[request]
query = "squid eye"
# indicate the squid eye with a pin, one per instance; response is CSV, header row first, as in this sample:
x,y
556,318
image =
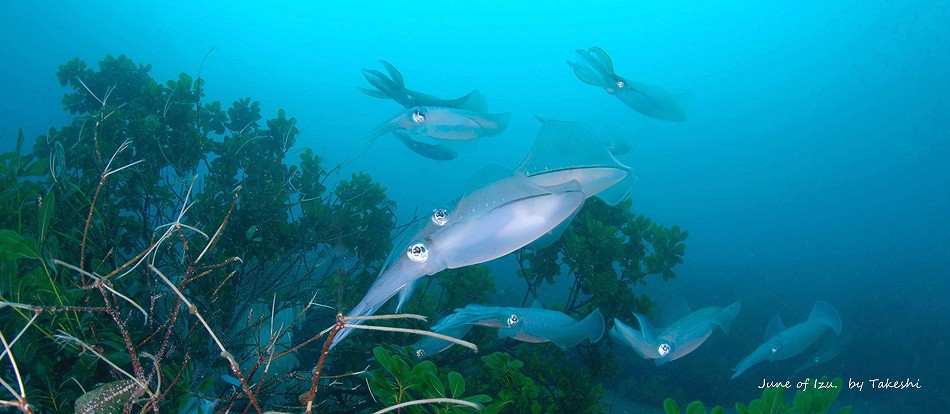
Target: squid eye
x,y
418,116
620,83
440,216
512,320
775,348
421,353
663,349
418,252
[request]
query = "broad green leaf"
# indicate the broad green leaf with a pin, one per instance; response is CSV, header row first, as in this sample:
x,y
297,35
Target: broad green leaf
x,y
670,406
696,407
417,378
9,237
26,248
479,399
802,402
382,356
456,384
400,370
37,168
434,385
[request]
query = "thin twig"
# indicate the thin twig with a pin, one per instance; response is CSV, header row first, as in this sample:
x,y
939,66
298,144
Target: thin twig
x,y
390,316
431,401
6,349
214,238
102,180
417,332
21,396
100,282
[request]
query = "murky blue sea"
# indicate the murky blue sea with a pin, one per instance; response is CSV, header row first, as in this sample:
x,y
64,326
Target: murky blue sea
x,y
814,163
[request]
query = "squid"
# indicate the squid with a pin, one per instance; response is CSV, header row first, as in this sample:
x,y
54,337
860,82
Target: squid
x,y
782,343
678,339
532,325
488,222
394,87
596,68
444,123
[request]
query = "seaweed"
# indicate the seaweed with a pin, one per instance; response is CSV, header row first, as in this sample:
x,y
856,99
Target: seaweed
x,y
404,380
812,400
607,251
171,250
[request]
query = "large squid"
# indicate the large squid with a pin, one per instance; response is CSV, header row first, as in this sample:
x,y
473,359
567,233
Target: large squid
x,y
678,339
486,223
596,68
781,342
393,87
565,151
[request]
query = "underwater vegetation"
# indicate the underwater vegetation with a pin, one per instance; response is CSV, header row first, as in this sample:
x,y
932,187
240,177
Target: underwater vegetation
x,y
164,253
813,400
113,247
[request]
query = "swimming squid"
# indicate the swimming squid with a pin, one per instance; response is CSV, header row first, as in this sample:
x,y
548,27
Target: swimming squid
x,y
596,68
444,123
488,222
533,325
454,325
565,151
393,87
781,342
678,339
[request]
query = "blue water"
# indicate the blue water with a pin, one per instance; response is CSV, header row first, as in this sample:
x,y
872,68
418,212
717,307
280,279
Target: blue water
x,y
814,164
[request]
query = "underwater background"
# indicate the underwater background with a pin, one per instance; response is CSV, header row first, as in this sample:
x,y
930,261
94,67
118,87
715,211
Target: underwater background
x,y
814,164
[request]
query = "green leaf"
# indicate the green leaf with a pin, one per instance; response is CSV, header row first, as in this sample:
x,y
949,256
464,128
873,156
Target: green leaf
x,y
382,356
844,410
718,410
24,248
37,168
696,407
773,401
670,406
456,384
434,385
479,399
802,402
400,370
